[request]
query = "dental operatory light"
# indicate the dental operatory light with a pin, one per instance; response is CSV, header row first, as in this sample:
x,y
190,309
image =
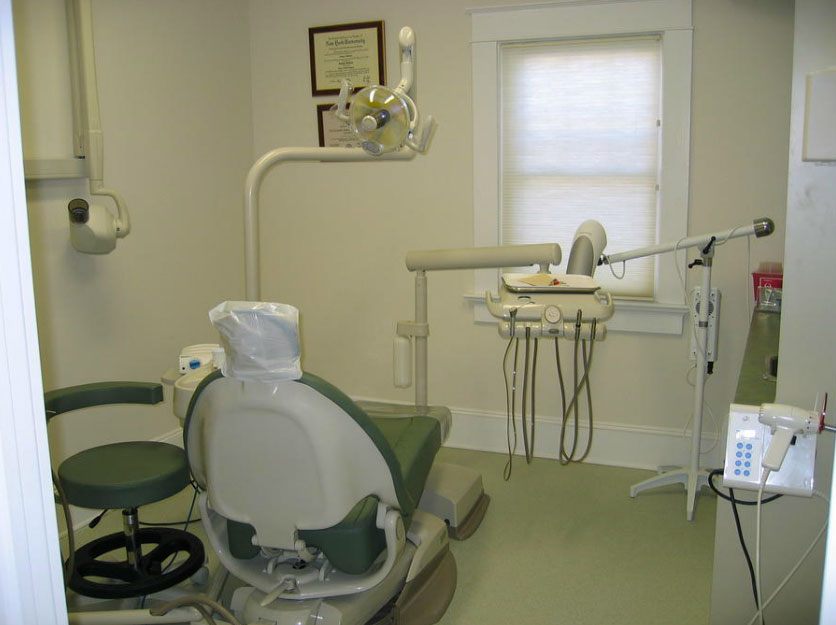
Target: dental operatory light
x,y
387,119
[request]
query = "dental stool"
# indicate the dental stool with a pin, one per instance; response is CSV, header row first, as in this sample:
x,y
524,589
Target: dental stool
x,y
125,475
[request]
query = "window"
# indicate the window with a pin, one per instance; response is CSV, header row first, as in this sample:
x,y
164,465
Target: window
x,y
582,110
580,135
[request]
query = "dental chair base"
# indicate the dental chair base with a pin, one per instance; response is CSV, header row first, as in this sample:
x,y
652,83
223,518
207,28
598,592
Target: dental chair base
x,y
421,601
453,493
425,562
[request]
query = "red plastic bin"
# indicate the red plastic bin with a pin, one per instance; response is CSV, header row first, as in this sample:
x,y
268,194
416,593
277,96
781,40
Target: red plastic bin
x,y
775,280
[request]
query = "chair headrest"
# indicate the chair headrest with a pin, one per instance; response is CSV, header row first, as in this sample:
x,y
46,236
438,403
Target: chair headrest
x,y
261,340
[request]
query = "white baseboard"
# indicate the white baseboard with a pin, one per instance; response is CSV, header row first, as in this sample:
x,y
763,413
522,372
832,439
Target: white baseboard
x,y
613,444
630,446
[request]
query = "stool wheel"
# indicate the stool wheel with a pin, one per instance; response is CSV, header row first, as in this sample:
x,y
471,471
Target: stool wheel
x,y
121,579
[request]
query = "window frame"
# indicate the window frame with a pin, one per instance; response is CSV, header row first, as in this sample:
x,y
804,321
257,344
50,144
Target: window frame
x,y
671,21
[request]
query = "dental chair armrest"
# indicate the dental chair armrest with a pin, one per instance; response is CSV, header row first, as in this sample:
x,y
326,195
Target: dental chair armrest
x,y
70,398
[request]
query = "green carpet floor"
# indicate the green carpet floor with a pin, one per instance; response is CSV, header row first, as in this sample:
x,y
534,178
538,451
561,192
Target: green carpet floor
x,y
567,544
562,545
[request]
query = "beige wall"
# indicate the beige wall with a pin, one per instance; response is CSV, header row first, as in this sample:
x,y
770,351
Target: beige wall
x,y
334,236
175,101
192,92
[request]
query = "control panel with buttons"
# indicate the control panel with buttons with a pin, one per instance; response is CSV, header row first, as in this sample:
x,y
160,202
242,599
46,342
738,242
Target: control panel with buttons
x,y
746,443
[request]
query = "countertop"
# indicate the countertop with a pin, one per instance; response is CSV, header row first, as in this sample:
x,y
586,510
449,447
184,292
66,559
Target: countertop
x,y
764,332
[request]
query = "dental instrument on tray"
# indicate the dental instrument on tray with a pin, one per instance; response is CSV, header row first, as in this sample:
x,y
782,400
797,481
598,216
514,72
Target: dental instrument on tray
x,y
388,124
691,476
529,307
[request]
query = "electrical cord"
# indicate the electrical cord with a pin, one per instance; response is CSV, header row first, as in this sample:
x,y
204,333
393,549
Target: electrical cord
x,y
525,394
734,501
741,502
573,407
798,564
168,523
529,377
711,414
623,270
529,449
186,524
569,457
588,362
765,477
752,579
510,396
760,604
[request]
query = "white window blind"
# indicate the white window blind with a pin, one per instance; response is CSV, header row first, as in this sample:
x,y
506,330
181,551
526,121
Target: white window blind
x,y
580,140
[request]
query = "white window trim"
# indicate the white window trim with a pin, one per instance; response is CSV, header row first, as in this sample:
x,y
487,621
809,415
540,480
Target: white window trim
x,y
491,27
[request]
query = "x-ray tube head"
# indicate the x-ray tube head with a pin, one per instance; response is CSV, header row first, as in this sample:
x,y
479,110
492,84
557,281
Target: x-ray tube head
x,y
590,241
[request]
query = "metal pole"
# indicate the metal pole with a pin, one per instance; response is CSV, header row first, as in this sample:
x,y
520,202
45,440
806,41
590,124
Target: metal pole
x,y
252,185
421,359
693,485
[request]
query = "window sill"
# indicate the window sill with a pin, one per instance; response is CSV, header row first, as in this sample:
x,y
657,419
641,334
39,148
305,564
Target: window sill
x,y
630,315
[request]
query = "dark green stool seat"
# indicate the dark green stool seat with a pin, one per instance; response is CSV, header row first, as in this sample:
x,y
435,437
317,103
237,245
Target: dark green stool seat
x,y
125,475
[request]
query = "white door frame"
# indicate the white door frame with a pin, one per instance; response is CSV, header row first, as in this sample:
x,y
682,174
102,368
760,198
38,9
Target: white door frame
x,y
31,586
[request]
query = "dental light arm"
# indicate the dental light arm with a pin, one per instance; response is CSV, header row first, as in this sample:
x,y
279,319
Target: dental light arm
x,y
406,41
252,186
377,145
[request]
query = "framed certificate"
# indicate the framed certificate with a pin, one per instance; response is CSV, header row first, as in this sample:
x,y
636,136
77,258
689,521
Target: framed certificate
x,y
353,51
334,132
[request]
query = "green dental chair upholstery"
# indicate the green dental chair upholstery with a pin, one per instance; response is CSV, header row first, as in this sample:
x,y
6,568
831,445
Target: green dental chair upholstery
x,y
125,475
274,458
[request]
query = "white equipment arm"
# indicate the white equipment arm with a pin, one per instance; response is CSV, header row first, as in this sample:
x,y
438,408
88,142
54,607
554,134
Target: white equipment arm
x,y
760,228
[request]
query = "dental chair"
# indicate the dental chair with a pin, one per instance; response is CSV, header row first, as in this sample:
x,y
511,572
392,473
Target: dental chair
x,y
308,501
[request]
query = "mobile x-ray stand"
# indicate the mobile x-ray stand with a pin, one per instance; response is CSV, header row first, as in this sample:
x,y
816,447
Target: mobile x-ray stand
x,y
691,476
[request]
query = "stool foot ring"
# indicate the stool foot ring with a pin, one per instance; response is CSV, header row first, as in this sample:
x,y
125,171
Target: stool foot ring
x,y
121,579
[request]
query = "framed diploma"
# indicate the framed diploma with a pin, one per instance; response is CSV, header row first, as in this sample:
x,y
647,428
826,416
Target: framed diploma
x,y
353,51
334,132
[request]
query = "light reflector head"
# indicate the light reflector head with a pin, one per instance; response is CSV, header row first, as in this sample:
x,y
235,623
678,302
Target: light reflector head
x,y
380,117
